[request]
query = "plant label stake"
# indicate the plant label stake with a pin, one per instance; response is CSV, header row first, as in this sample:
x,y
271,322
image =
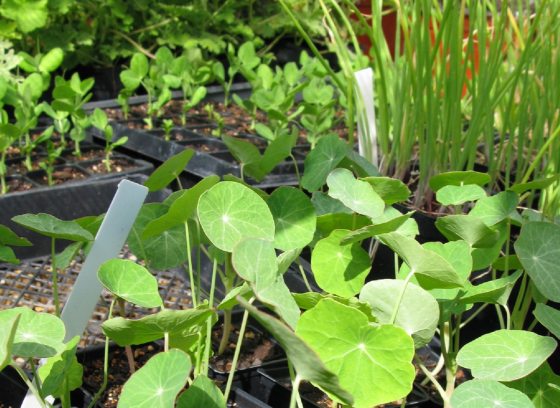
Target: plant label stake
x,y
108,242
367,132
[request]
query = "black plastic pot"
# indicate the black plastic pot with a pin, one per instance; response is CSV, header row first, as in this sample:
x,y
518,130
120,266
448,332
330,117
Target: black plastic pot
x,y
242,399
212,156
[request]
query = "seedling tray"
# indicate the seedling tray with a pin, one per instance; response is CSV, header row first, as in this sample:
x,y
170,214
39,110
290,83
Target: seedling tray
x,y
212,156
30,284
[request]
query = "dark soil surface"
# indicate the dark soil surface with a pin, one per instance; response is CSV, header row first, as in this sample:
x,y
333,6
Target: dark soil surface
x,y
117,165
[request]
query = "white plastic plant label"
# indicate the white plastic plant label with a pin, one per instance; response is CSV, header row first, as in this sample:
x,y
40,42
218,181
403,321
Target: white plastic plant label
x,y
367,131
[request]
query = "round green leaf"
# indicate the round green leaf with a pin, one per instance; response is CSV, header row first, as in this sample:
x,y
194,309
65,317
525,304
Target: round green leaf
x,y
492,210
505,355
389,189
158,382
50,226
458,178
38,335
294,217
51,60
456,195
203,392
418,312
230,212
538,250
548,317
372,362
468,228
339,269
539,386
488,394
357,195
130,281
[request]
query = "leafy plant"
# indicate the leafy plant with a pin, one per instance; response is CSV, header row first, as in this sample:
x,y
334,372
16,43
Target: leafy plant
x,y
99,120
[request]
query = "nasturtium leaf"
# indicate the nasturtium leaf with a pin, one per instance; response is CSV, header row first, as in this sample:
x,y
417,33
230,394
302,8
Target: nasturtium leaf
x,y
286,259
505,355
230,299
7,255
491,210
538,250
409,228
8,237
355,194
430,269
484,257
468,228
457,195
163,251
358,164
539,386
203,392
64,258
324,204
309,300
372,362
306,362
488,394
38,335
294,217
329,222
158,382
8,328
153,327
255,261
62,371
376,229
180,209
458,178
495,291
169,170
534,185
131,282
548,317
50,226
91,223
339,269
230,212
389,189
509,262
418,311
321,160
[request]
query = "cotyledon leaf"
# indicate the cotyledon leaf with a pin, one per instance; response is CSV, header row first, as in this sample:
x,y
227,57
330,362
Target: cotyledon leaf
x,y
505,355
372,362
158,382
230,212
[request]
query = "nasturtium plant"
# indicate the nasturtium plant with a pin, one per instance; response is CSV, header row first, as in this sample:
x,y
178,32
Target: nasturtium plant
x,y
542,386
203,392
458,178
491,210
506,355
457,195
53,227
320,161
340,269
548,317
230,212
294,218
488,393
382,225
131,282
538,250
158,382
468,228
372,362
62,372
389,189
405,305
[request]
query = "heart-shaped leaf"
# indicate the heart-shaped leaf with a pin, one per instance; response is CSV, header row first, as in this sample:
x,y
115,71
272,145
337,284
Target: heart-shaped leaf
x,y
505,355
468,228
294,218
539,387
495,291
255,261
329,222
158,382
153,327
38,335
486,393
50,226
548,317
62,372
321,160
230,212
457,195
203,392
309,300
169,170
307,363
327,205
8,237
418,312
355,194
458,178
430,269
372,363
492,210
538,250
390,190
131,282
339,269
8,328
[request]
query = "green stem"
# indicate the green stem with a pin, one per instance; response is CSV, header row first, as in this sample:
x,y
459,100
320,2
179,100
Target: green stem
x,y
295,391
304,276
237,352
54,277
401,296
539,155
30,385
127,349
194,290
432,379
209,322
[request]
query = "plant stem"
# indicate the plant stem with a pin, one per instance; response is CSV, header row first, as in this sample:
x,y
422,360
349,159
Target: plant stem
x,y
209,322
401,296
194,290
30,385
433,379
304,276
127,349
295,391
54,277
237,352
